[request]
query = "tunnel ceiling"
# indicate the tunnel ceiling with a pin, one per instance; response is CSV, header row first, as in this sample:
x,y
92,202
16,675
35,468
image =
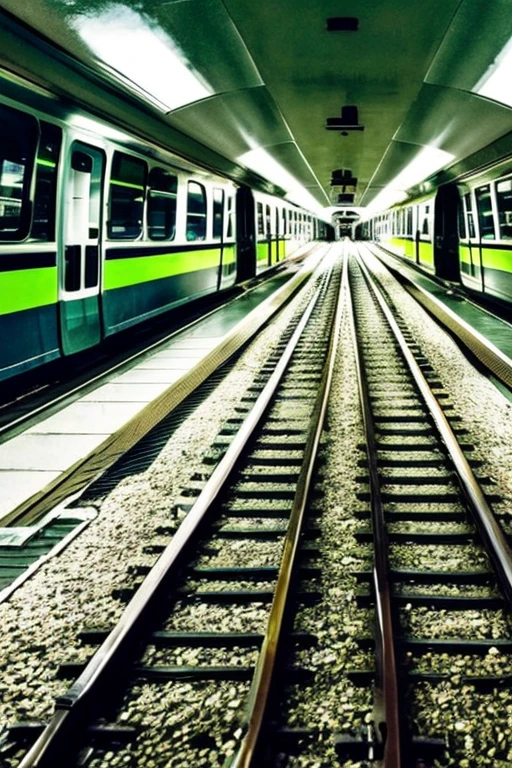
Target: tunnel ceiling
x,y
256,82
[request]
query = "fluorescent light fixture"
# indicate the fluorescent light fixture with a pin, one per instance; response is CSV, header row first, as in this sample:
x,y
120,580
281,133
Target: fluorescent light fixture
x,y
143,55
496,82
260,161
427,161
384,200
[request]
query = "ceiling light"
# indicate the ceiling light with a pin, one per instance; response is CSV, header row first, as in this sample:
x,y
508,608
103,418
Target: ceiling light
x,y
496,81
142,55
427,161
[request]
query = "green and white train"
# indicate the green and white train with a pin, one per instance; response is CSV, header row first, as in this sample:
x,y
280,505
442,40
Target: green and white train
x,y
462,232
100,230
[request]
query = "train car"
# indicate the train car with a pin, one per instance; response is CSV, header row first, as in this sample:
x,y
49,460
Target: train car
x,y
100,230
461,233
406,230
485,233
280,229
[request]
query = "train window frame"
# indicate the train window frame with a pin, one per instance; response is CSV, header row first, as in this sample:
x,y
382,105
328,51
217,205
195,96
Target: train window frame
x,y
117,184
201,215
24,137
462,229
409,224
425,228
230,208
44,212
260,219
507,237
218,206
268,220
481,214
470,216
154,193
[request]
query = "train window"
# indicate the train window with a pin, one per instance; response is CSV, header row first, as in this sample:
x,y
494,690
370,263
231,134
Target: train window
x,y
268,222
425,225
45,194
126,197
504,199
462,223
261,225
196,211
218,213
18,140
161,210
469,211
283,221
409,222
229,232
485,213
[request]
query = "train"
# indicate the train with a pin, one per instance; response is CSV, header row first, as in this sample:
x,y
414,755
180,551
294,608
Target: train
x,y
461,232
101,230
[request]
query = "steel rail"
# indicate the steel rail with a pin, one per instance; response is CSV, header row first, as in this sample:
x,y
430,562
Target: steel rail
x,y
386,710
492,358
75,708
489,528
263,677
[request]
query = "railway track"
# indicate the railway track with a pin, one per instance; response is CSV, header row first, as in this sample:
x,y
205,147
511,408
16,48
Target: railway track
x,y
442,570
245,527
209,661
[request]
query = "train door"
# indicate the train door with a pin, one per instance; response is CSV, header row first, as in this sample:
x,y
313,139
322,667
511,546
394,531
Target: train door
x,y
268,230
446,238
81,251
416,230
276,250
486,226
245,234
218,229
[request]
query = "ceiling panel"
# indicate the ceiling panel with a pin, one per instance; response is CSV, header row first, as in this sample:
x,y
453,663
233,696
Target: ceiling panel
x,y
269,76
311,73
234,123
457,121
478,33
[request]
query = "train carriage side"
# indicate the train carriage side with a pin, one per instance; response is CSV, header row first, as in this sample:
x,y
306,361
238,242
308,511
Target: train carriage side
x,y
170,237
95,236
100,230
29,167
407,230
281,229
485,234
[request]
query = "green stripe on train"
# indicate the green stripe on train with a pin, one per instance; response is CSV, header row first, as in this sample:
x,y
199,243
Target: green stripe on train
x,y
492,258
141,269
406,246
27,289
497,258
228,254
262,252
426,254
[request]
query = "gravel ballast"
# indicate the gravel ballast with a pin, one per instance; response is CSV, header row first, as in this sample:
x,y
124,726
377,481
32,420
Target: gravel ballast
x,y
43,617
